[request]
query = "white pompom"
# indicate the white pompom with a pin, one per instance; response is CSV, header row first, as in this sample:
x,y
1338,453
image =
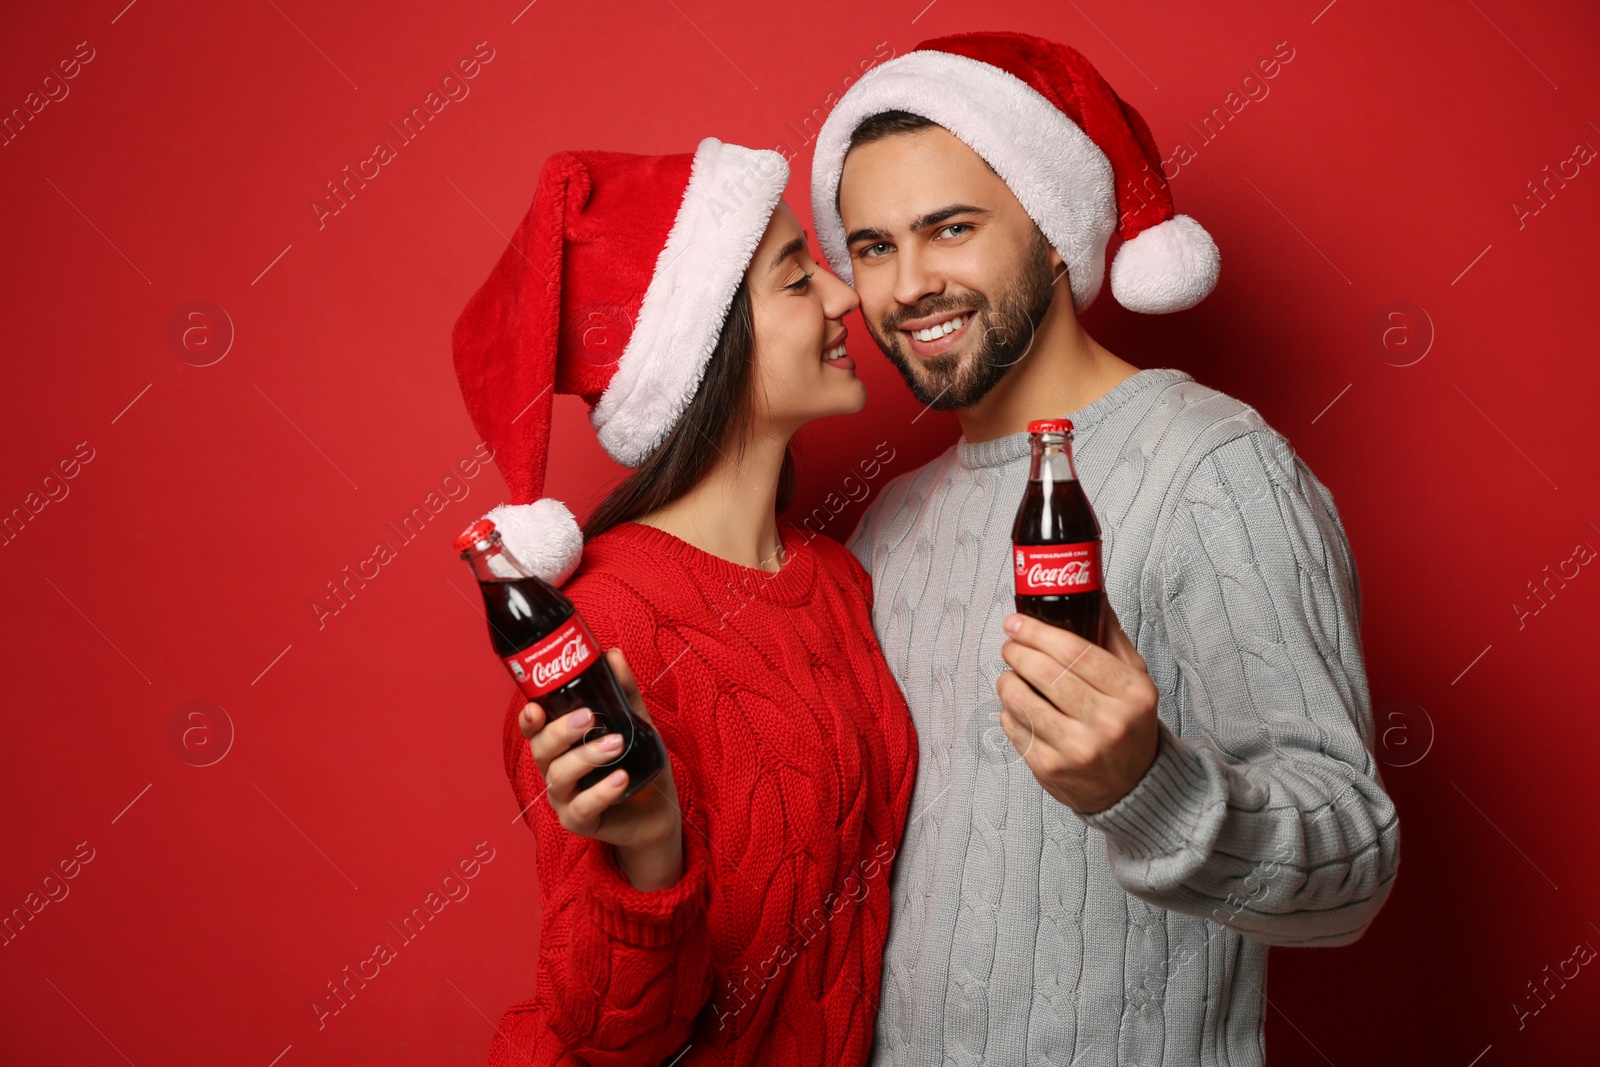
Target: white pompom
x,y
1170,266
543,536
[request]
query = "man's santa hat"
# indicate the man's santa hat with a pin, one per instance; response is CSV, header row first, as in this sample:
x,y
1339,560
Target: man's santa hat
x,y
1080,160
614,288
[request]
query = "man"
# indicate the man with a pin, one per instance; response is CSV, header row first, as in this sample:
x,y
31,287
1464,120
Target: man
x,y
1102,842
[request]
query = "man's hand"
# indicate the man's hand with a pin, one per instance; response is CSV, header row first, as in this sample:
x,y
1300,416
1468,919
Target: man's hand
x,y
647,828
1093,736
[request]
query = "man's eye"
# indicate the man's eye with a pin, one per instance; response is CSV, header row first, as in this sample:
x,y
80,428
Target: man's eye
x,y
879,249
954,226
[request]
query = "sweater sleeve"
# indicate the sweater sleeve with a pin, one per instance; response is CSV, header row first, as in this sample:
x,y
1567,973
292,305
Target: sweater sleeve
x,y
622,974
1273,823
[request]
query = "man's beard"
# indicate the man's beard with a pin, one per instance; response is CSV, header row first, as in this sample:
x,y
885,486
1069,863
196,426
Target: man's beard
x,y
960,380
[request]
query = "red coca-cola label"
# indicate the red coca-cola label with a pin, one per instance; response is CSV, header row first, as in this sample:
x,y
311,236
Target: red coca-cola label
x,y
1057,570
547,665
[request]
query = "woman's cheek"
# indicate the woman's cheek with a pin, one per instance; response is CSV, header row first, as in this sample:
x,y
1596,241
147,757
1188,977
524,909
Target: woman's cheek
x,y
806,331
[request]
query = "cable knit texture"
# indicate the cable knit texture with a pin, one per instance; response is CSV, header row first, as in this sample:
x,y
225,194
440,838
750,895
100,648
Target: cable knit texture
x,y
794,757
1022,934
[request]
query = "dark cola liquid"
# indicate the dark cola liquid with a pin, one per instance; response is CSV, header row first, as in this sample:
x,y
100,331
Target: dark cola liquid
x,y
1062,517
524,612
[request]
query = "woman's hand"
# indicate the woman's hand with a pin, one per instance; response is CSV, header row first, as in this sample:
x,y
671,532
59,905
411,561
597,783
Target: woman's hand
x,y
647,828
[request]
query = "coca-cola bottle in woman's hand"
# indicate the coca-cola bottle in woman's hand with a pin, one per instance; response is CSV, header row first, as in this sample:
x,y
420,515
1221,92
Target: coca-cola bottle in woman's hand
x,y
556,661
1056,539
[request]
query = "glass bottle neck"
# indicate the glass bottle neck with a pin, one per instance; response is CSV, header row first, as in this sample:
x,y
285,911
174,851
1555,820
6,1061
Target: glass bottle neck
x,y
1051,461
495,563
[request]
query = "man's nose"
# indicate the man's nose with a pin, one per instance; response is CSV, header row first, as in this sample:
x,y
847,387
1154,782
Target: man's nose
x,y
915,279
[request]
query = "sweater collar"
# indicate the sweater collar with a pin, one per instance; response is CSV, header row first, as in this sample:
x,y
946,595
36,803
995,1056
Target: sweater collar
x,y
1001,450
789,586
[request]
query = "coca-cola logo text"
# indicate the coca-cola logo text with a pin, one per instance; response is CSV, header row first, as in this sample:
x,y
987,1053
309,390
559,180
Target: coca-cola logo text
x,y
1068,574
549,664
1058,570
573,653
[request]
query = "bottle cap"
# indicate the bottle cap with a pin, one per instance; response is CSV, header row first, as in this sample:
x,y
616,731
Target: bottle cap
x,y
1050,426
478,531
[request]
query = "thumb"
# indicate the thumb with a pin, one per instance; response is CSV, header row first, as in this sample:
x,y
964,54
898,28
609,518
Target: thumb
x,y
1117,642
630,686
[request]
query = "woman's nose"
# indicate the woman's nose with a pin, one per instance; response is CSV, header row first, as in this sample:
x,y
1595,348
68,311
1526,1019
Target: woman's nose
x,y
838,299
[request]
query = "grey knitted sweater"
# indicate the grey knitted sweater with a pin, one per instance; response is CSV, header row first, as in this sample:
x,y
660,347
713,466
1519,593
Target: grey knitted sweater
x,y
1022,934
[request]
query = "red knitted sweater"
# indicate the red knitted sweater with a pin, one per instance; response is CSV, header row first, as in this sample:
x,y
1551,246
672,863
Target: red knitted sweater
x,y
794,756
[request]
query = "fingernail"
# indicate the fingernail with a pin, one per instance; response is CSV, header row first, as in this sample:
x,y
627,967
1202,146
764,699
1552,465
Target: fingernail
x,y
1013,623
616,777
582,717
611,742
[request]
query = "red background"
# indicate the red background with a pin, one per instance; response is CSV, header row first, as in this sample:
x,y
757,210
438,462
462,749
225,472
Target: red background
x,y
1383,165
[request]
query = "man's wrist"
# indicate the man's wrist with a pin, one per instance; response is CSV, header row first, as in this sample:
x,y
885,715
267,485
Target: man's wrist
x,y
1143,765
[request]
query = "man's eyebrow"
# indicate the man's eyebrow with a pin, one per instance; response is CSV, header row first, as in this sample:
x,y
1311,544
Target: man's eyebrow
x,y
866,233
794,247
932,218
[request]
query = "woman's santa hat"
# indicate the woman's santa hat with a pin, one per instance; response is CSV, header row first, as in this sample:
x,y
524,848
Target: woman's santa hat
x,y
614,289
1080,160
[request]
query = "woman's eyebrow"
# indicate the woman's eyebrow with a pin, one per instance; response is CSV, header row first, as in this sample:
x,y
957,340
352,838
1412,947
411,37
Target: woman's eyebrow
x,y
792,248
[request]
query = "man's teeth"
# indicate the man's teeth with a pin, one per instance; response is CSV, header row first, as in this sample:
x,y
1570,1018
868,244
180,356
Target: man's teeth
x,y
834,352
949,326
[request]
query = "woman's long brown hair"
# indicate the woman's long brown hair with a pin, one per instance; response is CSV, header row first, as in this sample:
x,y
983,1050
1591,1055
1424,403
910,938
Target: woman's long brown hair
x,y
718,421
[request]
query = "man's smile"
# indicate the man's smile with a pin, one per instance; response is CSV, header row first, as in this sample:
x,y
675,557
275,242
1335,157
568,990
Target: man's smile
x,y
936,334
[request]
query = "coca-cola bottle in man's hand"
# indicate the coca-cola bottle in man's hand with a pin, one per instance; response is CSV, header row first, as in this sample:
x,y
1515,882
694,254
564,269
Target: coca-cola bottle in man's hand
x,y
556,661
1056,539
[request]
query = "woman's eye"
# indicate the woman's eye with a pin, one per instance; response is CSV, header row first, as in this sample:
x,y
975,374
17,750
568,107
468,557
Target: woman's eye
x,y
800,285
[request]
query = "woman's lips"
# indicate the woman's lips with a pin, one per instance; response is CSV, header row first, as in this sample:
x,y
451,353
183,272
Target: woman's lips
x,y
834,355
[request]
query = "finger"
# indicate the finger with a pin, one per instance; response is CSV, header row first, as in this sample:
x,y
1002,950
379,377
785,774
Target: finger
x,y
556,738
1018,729
630,685
531,720
1039,733
1033,719
588,806
1058,683
1087,660
578,761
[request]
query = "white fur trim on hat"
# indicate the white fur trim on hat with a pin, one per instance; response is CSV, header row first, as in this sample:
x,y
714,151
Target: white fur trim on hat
x,y
543,536
1060,176
730,198
1167,267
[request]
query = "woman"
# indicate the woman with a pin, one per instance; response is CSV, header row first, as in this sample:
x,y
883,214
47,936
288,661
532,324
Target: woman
x,y
735,911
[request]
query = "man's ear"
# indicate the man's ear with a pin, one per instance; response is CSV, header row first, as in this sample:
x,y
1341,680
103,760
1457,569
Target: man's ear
x,y
1058,266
